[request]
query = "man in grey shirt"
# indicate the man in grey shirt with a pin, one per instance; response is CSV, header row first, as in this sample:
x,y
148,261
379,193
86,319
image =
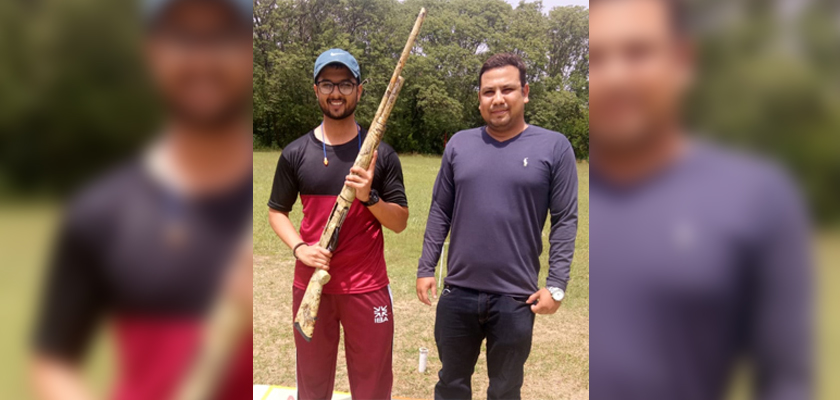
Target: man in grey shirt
x,y
496,186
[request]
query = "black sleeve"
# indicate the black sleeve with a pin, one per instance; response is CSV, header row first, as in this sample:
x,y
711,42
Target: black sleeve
x,y
389,174
284,190
73,299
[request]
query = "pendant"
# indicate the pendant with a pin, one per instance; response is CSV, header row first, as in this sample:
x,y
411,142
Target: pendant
x,y
326,162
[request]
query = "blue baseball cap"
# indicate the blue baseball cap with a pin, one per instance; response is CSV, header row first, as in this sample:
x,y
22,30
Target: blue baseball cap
x,y
153,9
337,56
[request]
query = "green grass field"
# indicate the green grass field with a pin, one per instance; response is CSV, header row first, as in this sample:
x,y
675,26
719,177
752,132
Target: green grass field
x,y
559,363
26,233
558,367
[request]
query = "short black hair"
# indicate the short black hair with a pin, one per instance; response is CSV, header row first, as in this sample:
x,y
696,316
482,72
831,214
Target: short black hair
x,y
678,13
504,60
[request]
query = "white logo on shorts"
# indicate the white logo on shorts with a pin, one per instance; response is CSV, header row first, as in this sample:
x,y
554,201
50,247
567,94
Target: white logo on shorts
x,y
380,314
525,162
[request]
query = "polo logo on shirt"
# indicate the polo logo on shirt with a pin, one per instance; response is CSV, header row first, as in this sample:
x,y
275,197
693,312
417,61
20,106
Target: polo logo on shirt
x,y
685,235
380,314
525,162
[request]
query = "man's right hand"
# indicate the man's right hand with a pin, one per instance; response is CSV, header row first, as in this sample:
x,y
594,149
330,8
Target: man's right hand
x,y
423,287
314,256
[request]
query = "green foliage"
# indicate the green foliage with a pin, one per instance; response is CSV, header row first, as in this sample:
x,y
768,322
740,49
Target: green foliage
x,y
73,93
770,83
440,96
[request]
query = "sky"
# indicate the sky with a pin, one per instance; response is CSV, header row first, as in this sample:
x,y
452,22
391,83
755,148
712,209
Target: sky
x,y
549,4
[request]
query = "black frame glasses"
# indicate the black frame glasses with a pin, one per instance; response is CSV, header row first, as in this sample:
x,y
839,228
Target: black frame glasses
x,y
344,87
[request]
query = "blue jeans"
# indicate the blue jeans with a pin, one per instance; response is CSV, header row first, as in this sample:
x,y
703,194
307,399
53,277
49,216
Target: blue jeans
x,y
465,317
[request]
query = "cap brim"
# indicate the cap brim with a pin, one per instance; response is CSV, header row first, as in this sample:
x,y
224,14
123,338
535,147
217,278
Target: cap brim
x,y
349,68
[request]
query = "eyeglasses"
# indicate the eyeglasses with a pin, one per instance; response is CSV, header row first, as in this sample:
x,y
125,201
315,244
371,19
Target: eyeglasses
x,y
345,87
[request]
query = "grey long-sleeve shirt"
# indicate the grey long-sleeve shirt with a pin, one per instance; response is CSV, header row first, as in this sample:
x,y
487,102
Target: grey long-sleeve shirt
x,y
701,266
495,197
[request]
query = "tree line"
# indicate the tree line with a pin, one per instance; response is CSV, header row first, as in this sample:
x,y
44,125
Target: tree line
x,y
440,95
74,95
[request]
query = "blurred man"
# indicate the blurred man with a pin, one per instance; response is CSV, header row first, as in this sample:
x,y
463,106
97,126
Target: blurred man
x,y
149,245
495,187
357,297
699,256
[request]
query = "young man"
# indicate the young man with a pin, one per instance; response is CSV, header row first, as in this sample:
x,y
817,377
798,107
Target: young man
x,y
149,246
495,187
357,297
699,255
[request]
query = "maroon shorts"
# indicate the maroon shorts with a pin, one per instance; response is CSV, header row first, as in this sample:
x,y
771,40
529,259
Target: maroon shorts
x,y
368,322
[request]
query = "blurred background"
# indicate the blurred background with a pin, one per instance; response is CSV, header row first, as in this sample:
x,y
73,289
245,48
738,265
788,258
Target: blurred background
x,y
73,93
74,99
770,83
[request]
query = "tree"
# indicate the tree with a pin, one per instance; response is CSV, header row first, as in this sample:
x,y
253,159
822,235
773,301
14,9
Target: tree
x,y
440,95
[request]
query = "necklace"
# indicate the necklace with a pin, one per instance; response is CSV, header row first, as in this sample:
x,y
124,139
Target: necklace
x,y
324,141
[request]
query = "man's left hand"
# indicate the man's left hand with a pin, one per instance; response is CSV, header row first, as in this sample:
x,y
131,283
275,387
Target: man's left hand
x,y
542,303
361,179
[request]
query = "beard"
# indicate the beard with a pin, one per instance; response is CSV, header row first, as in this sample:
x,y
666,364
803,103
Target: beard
x,y
500,124
349,109
211,119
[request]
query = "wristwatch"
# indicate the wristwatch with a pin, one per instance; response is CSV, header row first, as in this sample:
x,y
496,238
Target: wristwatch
x,y
374,198
556,293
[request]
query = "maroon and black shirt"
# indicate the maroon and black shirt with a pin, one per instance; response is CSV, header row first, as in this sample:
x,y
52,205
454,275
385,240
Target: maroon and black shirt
x,y
358,262
131,251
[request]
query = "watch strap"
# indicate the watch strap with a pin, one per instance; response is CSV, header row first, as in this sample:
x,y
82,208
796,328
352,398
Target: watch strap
x,y
374,198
